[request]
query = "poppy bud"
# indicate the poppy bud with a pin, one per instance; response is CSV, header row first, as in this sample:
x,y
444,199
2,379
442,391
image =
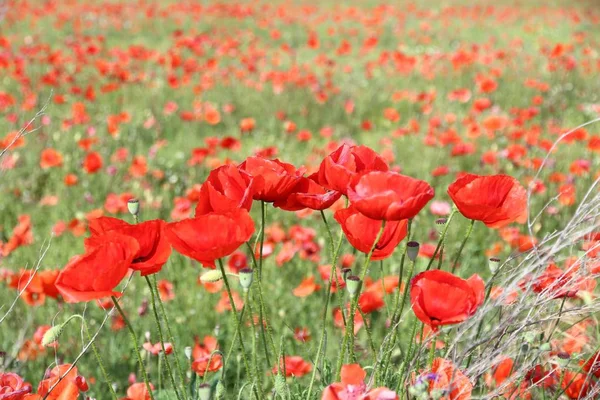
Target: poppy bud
x,y
412,250
133,205
220,391
188,352
353,284
211,276
437,394
493,264
52,335
204,392
545,347
440,224
246,275
280,385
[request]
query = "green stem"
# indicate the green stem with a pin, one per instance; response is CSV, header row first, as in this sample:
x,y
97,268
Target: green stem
x,y
332,275
441,239
170,333
236,321
407,357
349,334
96,354
262,237
162,340
369,335
135,344
462,245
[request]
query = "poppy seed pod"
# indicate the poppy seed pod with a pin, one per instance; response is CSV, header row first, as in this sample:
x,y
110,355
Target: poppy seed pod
x,y
412,250
493,264
345,273
440,224
133,205
211,276
246,276
353,284
204,392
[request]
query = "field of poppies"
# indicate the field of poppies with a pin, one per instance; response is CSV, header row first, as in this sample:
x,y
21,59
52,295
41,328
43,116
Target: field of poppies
x,y
299,200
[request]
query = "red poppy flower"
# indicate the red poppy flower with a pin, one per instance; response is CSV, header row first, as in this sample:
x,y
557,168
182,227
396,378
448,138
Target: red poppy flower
x,y
154,248
557,283
67,387
294,366
308,194
388,195
352,386
208,237
12,386
92,163
279,177
495,200
138,391
450,379
361,232
95,274
201,354
227,188
339,168
441,298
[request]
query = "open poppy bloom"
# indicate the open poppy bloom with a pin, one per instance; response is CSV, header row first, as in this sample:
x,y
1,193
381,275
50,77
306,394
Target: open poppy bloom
x,y
361,231
388,195
209,237
12,386
440,298
496,200
352,387
308,194
279,177
294,366
338,169
138,391
449,379
66,388
201,354
558,283
227,188
96,273
154,248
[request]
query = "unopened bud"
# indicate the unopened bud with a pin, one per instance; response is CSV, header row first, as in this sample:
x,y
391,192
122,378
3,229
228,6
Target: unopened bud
x,y
211,276
52,335
220,391
246,276
188,352
133,205
412,250
280,385
353,284
493,264
204,392
545,347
